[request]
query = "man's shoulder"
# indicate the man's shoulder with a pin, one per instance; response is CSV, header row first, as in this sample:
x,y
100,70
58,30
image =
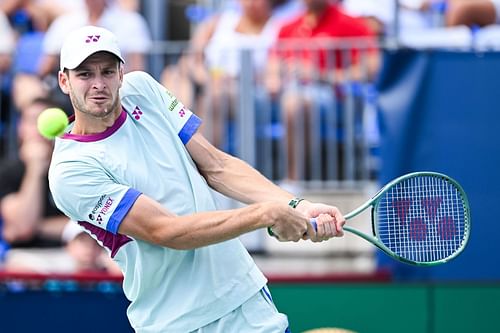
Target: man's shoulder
x,y
137,81
137,75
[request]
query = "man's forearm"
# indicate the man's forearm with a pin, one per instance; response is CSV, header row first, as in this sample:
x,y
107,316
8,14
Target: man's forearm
x,y
238,180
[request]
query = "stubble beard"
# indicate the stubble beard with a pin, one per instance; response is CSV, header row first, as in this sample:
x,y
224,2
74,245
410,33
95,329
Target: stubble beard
x,y
80,105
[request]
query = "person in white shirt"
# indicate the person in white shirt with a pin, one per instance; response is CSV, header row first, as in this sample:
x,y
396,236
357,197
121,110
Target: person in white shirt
x,y
135,172
207,74
7,43
130,28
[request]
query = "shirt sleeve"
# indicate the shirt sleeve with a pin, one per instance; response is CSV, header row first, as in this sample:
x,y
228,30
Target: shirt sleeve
x,y
183,119
184,122
85,193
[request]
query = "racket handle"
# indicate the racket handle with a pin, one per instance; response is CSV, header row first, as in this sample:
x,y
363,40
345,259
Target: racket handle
x,y
312,221
314,224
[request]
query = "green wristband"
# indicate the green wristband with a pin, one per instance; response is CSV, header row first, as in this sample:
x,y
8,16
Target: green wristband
x,y
293,203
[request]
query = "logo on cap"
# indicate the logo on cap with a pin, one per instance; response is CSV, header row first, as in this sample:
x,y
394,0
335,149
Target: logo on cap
x,y
92,38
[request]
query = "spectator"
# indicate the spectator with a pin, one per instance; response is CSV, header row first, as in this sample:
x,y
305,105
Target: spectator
x,y
30,217
130,5
6,43
130,28
379,15
414,16
36,15
6,49
302,68
214,58
86,254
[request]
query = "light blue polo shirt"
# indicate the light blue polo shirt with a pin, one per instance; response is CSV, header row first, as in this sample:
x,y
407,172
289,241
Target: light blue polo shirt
x,y
95,180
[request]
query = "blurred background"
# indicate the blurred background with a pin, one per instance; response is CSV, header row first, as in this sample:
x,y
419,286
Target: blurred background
x,y
329,108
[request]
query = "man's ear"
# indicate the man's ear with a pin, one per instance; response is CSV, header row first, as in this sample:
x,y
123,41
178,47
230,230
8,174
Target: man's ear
x,y
63,82
120,70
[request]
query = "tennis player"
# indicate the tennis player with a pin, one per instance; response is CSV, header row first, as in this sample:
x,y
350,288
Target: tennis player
x,y
133,170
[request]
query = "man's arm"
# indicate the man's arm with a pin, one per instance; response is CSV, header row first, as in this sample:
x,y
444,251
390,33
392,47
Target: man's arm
x,y
232,176
236,179
151,222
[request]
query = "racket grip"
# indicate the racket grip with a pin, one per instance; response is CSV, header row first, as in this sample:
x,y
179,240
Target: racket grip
x,y
312,221
314,224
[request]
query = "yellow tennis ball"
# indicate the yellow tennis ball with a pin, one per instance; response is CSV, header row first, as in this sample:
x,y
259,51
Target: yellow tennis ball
x,y
52,122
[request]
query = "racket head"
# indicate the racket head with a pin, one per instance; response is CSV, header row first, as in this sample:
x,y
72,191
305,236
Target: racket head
x,y
422,218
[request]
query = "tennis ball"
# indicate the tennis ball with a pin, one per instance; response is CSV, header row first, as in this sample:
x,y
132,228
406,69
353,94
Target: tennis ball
x,y
52,122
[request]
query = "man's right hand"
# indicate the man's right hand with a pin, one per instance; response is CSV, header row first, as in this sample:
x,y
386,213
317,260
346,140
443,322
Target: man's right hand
x,y
288,224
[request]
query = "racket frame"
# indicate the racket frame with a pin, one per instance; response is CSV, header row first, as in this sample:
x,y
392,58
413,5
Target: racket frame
x,y
373,202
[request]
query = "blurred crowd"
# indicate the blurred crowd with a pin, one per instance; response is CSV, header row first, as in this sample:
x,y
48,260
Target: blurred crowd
x,y
38,237
35,235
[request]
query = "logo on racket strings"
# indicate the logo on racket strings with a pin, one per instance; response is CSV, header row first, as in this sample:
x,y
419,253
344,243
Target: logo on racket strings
x,y
419,218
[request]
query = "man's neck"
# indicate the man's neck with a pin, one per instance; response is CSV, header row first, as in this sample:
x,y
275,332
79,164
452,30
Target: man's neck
x,y
86,124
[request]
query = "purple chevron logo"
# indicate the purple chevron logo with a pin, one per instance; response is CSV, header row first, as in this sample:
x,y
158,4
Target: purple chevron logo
x,y
92,38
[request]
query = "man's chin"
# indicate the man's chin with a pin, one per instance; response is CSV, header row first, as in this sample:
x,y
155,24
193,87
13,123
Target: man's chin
x,y
101,111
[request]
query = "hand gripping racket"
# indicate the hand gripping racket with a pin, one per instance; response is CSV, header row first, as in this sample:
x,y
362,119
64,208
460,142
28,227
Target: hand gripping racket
x,y
421,218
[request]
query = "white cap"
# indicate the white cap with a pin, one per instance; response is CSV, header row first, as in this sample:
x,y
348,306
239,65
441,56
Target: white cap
x,y
83,42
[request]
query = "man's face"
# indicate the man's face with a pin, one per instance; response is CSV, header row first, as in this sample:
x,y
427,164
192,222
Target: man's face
x,y
93,86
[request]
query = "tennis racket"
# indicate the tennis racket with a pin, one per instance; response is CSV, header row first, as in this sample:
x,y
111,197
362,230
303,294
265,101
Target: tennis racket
x,y
422,218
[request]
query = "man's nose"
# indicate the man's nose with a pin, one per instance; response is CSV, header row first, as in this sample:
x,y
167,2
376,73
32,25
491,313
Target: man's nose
x,y
98,82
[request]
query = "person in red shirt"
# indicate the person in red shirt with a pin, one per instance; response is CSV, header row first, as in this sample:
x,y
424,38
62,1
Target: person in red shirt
x,y
320,48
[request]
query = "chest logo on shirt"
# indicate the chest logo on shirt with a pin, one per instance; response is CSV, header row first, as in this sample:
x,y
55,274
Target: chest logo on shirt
x,y
137,113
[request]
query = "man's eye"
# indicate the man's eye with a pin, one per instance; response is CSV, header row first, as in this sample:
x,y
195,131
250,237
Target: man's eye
x,y
84,75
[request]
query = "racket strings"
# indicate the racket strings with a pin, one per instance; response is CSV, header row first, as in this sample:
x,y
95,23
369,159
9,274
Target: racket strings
x,y
422,219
